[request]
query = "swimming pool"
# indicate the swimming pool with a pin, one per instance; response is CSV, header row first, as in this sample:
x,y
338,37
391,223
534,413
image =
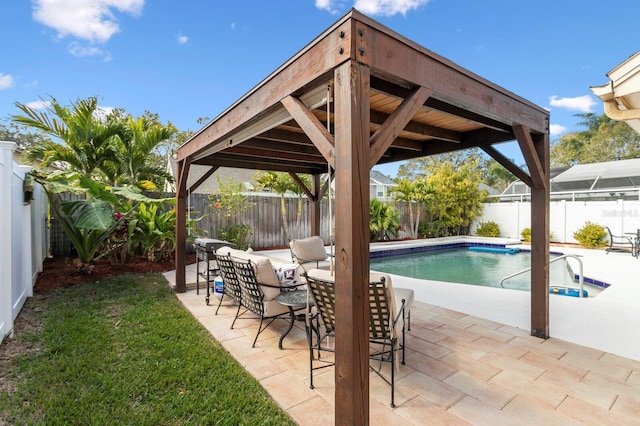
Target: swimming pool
x,y
461,265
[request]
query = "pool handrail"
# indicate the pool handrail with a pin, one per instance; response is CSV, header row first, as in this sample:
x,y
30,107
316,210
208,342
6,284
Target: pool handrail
x,y
555,259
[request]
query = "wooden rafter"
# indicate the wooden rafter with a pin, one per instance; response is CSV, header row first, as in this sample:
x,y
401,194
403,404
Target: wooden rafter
x,y
393,125
312,127
203,178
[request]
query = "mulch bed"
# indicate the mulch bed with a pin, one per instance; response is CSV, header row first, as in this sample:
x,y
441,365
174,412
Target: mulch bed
x,y
60,272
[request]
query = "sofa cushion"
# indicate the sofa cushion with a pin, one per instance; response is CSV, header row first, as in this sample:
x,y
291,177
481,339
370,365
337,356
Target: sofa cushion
x,y
308,249
263,269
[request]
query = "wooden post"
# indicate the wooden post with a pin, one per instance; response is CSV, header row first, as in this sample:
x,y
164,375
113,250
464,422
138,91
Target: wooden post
x,y
352,244
540,244
181,224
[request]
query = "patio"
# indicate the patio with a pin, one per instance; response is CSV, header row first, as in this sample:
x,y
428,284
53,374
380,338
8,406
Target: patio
x,y
464,368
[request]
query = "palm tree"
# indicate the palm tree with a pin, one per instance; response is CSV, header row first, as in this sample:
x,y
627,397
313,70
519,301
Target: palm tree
x,y
132,148
86,137
279,183
413,193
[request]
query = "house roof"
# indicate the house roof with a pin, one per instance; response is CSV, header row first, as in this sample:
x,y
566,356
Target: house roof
x,y
377,178
621,94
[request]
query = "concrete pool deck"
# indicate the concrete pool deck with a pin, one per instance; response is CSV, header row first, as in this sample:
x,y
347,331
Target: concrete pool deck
x,y
468,368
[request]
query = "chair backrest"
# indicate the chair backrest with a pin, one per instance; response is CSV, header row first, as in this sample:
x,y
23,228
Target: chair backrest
x,y
252,295
382,315
324,298
310,249
229,276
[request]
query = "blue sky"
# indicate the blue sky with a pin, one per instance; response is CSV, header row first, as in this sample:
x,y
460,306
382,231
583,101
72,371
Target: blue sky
x,y
191,59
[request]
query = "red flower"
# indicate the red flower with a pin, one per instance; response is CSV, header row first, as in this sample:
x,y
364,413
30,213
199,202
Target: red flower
x,y
118,216
216,205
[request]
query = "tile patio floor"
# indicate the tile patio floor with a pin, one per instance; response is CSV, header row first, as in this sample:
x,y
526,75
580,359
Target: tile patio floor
x,y
460,369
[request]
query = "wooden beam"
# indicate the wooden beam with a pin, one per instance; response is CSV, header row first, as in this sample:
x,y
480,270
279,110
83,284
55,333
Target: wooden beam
x,y
389,131
181,224
536,169
540,243
352,244
301,185
203,178
311,126
507,164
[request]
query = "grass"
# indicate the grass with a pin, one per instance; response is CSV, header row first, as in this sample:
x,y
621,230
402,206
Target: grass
x,y
125,351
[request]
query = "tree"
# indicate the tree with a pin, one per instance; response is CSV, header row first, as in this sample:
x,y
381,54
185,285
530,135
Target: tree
x,y
280,183
414,194
497,176
230,203
132,147
20,135
417,167
602,140
85,135
454,198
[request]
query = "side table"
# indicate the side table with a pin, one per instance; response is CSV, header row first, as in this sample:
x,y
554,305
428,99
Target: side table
x,y
294,300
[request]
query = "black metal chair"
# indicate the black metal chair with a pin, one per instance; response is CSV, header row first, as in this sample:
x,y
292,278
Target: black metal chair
x,y
231,283
253,297
384,325
620,242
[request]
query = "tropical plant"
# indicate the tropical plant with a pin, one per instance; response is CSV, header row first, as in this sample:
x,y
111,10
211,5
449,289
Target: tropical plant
x,y
591,235
132,147
85,135
488,229
154,230
90,221
383,220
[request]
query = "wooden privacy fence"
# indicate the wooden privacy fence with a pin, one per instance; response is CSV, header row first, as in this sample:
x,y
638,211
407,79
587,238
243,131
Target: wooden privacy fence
x,y
264,218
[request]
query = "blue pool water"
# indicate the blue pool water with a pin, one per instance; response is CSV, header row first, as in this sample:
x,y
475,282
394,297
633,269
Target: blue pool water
x,y
473,267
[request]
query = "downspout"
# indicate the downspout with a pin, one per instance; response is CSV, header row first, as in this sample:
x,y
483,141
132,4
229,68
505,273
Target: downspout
x,y
612,111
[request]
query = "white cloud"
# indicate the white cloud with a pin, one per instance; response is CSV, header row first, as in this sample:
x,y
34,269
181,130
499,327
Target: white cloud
x,y
91,20
6,81
81,51
581,103
233,25
386,7
328,5
556,129
182,39
39,104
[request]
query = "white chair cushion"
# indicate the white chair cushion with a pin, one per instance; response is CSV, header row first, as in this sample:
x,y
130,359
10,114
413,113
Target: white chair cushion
x,y
308,249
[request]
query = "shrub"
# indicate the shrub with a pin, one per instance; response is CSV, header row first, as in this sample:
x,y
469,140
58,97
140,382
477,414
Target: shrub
x,y
591,235
384,220
526,235
236,234
488,229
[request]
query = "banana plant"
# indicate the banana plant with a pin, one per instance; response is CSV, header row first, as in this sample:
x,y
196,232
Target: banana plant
x,y
89,221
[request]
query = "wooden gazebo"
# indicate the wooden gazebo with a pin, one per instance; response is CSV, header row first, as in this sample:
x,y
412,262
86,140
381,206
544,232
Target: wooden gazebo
x,y
356,96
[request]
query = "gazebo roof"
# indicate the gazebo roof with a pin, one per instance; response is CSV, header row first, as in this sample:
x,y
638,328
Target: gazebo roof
x,y
269,127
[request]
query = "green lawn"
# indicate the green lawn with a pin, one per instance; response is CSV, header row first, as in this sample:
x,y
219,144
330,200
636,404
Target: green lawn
x,y
125,351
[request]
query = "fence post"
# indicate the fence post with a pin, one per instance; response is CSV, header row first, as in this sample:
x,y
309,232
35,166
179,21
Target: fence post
x,y
6,240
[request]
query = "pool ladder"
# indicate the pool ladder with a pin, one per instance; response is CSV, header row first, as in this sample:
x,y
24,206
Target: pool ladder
x,y
555,259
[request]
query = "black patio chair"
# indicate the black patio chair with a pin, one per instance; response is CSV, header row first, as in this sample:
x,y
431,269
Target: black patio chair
x,y
384,325
619,242
253,297
230,282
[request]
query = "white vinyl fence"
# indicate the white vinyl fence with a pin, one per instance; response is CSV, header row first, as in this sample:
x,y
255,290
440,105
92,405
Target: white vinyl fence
x,y
23,236
566,217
